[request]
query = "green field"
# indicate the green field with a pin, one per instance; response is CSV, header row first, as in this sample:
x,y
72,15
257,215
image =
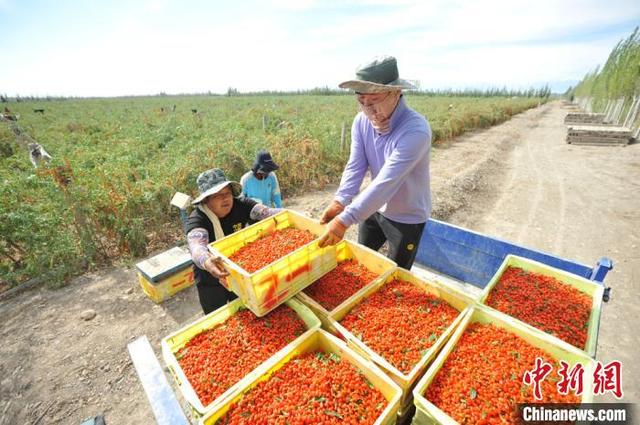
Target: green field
x,y
117,162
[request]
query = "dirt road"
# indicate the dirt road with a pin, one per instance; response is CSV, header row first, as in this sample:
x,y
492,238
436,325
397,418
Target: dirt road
x,y
517,181
578,202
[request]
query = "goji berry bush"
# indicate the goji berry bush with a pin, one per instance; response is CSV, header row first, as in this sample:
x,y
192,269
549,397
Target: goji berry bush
x,y
400,322
129,156
313,388
340,283
481,382
543,302
271,247
217,358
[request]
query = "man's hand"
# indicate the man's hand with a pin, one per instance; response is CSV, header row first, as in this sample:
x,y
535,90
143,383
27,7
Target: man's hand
x,y
334,233
331,211
214,266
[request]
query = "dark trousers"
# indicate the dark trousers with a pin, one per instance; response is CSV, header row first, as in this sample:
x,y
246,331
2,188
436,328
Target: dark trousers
x,y
403,238
213,296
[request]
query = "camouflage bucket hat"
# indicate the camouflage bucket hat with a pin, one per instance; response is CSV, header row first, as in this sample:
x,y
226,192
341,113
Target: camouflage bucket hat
x,y
213,181
379,75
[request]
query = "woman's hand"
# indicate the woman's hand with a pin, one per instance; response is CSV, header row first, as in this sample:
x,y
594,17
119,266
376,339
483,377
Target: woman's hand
x,y
214,266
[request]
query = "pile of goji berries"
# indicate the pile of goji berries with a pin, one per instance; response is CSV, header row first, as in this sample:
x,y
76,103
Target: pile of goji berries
x,y
481,382
340,283
271,247
217,358
313,388
543,302
400,322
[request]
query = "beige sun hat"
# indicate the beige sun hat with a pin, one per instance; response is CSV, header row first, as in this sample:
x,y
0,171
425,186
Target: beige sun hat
x,y
379,75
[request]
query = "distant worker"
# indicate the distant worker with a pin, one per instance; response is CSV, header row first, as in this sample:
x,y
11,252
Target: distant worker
x,y
392,141
261,183
220,211
8,115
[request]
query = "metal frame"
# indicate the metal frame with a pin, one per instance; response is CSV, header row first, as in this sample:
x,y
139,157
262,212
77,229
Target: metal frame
x,y
474,258
163,401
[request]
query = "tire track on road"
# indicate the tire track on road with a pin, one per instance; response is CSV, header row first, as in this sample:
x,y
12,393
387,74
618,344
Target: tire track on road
x,y
534,201
557,220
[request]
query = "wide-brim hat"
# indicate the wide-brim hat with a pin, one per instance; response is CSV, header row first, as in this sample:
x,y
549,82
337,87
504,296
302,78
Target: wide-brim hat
x,y
379,75
213,181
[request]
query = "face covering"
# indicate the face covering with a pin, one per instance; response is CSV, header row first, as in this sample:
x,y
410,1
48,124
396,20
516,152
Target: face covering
x,y
380,113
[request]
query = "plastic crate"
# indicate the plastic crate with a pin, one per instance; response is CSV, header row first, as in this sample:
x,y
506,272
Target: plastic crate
x,y
406,382
322,340
428,413
265,289
174,342
588,287
405,415
420,417
166,274
347,250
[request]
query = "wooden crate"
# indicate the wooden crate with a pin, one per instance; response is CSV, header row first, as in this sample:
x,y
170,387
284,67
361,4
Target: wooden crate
x,y
598,135
584,118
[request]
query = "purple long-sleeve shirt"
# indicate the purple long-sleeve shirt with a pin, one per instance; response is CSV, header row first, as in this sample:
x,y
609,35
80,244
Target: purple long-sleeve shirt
x,y
399,163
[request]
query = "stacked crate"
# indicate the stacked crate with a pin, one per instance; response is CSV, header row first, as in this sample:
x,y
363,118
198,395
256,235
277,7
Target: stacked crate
x,y
587,287
343,251
265,289
584,118
321,341
173,343
406,381
429,413
607,129
599,135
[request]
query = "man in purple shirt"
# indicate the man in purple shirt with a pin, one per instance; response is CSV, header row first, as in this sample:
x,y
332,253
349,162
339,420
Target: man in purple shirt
x,y
392,141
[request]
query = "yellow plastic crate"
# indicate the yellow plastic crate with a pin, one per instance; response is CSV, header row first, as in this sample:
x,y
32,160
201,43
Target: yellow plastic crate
x,y
174,342
165,274
405,415
265,289
428,413
168,287
406,381
323,341
421,418
586,286
347,250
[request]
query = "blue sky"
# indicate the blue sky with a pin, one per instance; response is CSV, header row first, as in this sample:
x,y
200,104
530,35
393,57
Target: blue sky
x,y
113,48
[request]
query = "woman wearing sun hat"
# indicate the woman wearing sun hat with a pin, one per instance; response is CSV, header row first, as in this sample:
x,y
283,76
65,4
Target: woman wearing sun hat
x,y
392,141
219,211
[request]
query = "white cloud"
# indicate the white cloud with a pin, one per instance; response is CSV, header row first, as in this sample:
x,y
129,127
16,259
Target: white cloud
x,y
511,66
156,5
442,43
294,4
444,23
